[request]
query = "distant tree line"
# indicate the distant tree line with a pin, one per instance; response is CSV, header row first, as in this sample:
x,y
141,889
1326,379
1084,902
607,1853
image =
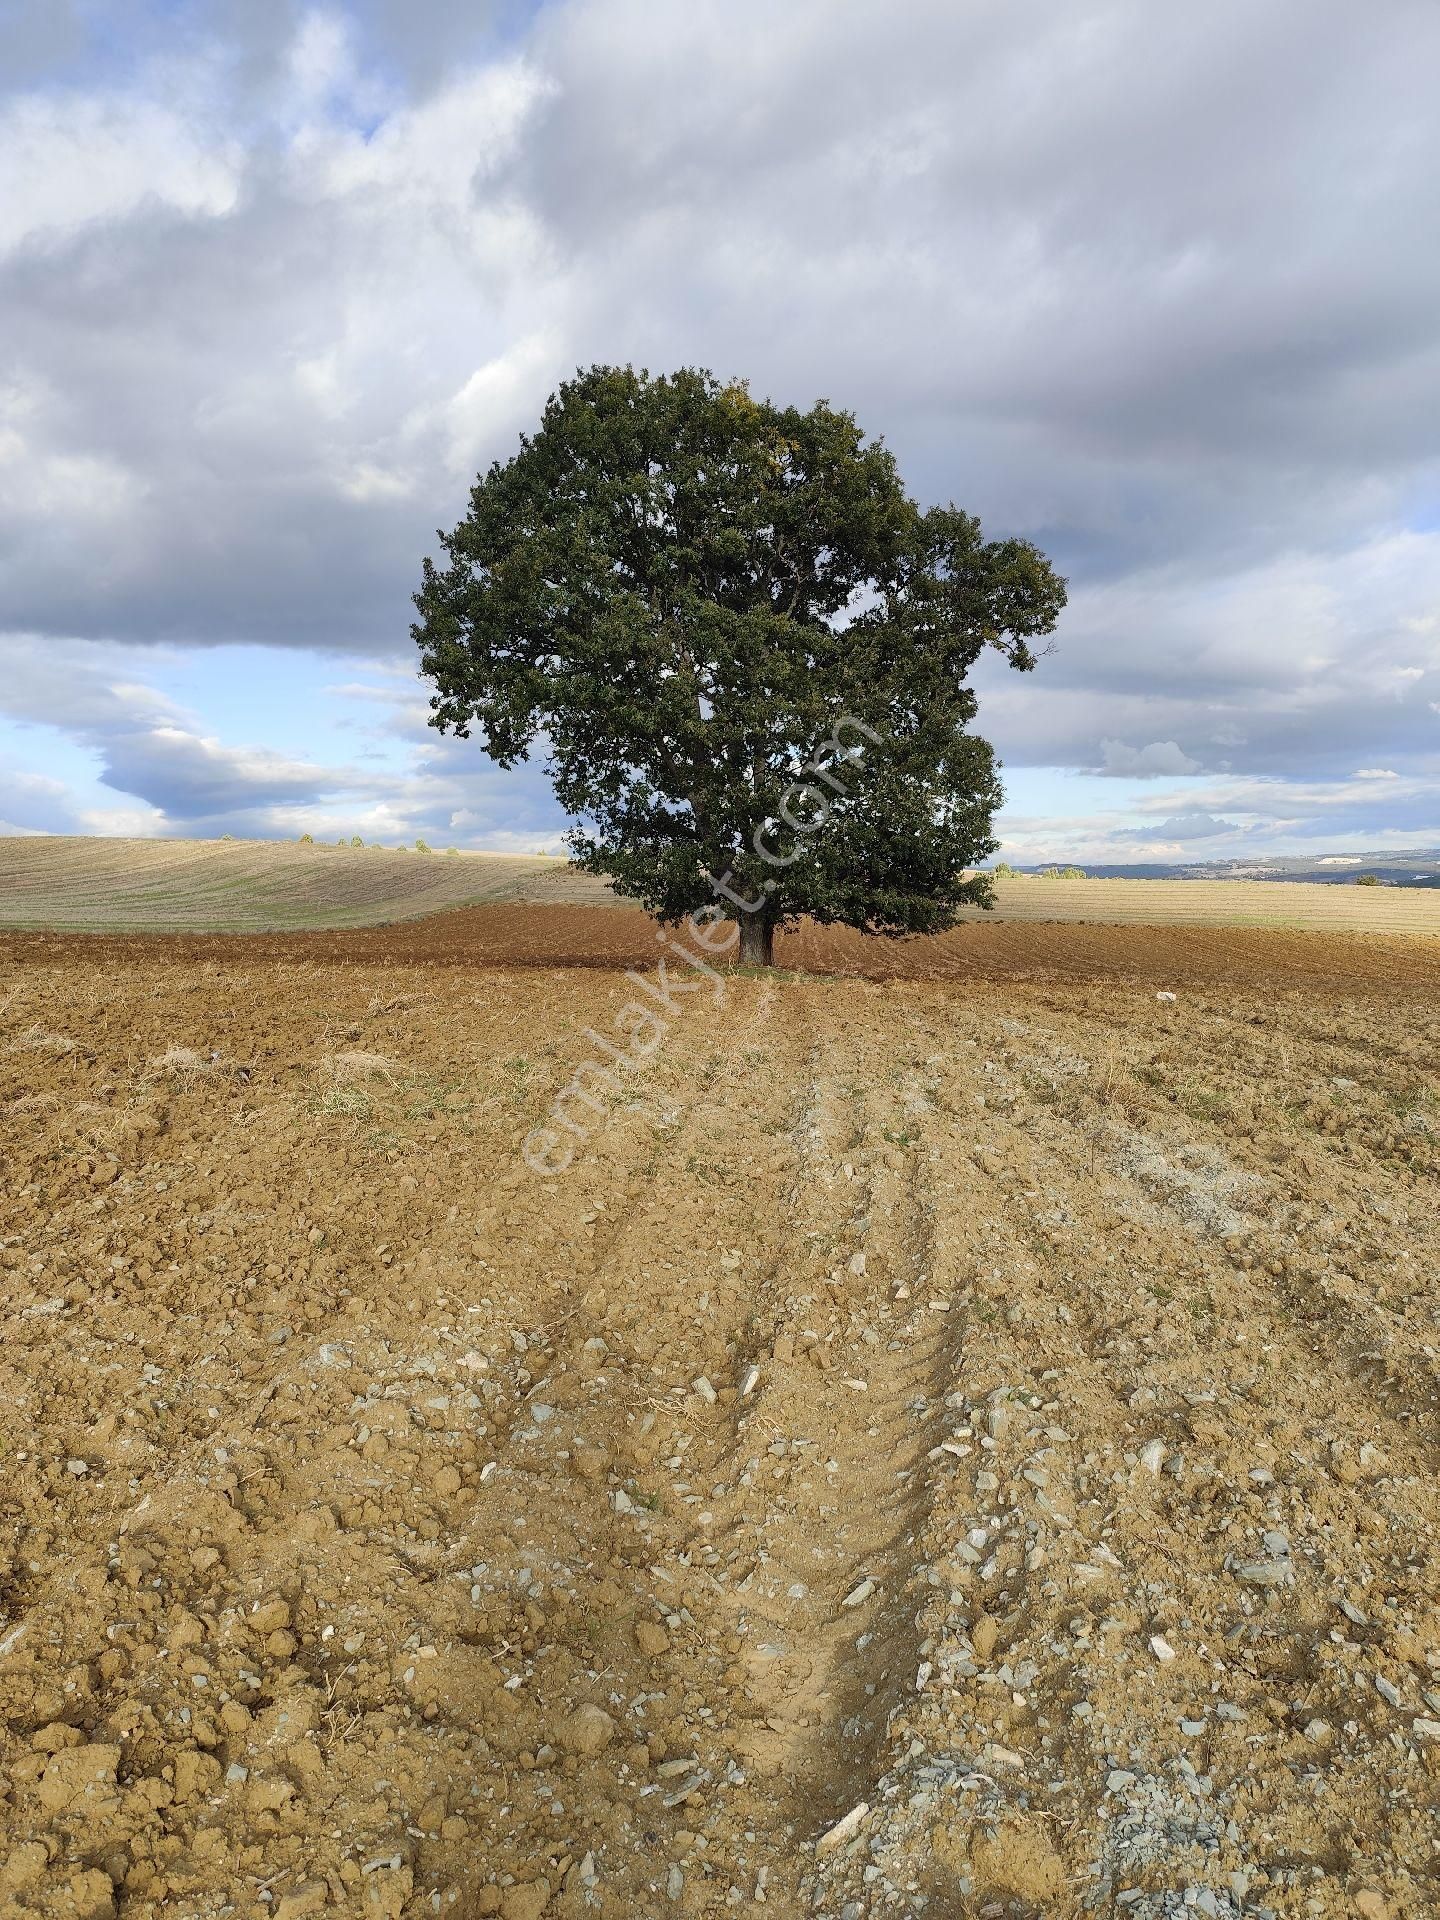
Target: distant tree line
x,y
1004,871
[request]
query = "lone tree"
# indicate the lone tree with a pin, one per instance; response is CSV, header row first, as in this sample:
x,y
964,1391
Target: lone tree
x,y
743,648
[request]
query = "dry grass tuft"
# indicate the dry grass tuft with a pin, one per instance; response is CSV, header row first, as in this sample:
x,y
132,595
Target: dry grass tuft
x,y
38,1040
346,1068
183,1065
344,1103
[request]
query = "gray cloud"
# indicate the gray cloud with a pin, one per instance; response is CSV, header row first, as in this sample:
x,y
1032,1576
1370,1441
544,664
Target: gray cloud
x,y
1184,826
1158,287
1160,757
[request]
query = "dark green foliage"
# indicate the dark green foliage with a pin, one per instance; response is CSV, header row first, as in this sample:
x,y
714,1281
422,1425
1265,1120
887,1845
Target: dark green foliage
x,y
681,591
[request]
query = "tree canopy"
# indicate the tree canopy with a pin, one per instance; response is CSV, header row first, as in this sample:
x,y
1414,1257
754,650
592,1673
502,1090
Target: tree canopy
x,y
743,648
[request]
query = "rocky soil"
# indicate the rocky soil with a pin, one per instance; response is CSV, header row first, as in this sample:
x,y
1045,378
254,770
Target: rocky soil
x,y
945,1447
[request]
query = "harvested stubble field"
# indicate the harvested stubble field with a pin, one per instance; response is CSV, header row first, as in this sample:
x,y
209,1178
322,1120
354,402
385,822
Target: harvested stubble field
x,y
166,886
992,1410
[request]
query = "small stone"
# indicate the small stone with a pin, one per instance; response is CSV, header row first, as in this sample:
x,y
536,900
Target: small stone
x,y
651,1638
1152,1455
1371,1905
843,1830
1264,1573
706,1392
1161,1648
857,1596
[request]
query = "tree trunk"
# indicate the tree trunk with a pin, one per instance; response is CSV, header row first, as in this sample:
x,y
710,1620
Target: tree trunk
x,y
757,940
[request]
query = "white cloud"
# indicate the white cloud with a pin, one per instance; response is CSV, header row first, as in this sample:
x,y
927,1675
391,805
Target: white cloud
x,y
1160,757
432,158
73,159
493,398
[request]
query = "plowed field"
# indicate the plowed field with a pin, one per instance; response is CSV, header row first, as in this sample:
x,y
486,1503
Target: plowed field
x,y
950,1444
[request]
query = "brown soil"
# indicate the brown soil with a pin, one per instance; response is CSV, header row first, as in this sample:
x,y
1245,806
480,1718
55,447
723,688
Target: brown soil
x,y
618,937
998,1400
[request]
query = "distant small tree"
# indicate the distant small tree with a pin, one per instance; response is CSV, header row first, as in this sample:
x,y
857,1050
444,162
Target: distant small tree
x,y
1367,880
1003,870
452,850
306,840
356,840
422,846
745,649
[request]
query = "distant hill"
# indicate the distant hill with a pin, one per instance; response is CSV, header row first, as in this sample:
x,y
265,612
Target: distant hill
x,y
1419,868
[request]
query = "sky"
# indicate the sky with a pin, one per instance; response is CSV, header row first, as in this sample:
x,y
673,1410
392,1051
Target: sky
x,y
1157,287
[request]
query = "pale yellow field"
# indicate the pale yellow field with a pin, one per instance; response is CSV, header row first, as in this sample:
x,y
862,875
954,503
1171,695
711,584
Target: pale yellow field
x,y
253,886
1241,903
